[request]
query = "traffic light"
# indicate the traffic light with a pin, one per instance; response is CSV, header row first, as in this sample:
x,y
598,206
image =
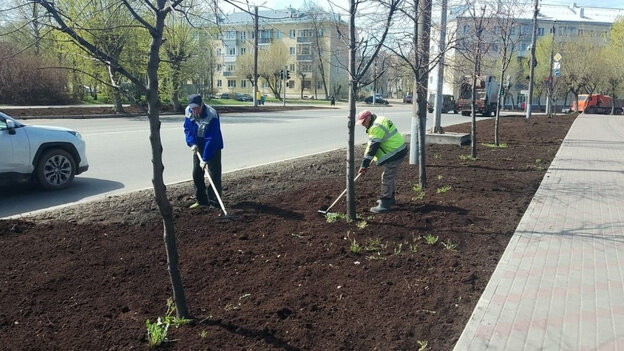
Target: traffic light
x,y
287,74
281,74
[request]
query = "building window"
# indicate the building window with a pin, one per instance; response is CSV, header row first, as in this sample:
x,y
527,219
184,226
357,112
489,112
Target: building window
x,y
291,67
291,33
231,68
243,36
219,83
230,34
540,31
466,28
243,51
305,67
243,84
279,34
231,83
292,50
513,31
319,33
232,51
303,49
291,84
219,52
219,67
319,84
307,84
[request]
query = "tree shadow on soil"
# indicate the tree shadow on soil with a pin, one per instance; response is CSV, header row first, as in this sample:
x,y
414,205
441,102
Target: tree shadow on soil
x,y
265,335
267,209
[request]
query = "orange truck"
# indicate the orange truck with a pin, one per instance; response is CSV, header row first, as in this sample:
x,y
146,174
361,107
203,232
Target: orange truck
x,y
598,103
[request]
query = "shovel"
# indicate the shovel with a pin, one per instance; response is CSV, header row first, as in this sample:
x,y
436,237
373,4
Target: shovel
x,y
326,211
214,188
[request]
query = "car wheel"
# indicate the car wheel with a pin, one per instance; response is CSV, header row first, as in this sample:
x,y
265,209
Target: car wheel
x,y
56,169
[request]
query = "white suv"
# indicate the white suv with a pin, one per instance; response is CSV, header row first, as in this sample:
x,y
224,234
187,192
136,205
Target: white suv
x,y
51,156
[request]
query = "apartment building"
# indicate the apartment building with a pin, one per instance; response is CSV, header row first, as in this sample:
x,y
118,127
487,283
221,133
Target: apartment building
x,y
568,23
314,54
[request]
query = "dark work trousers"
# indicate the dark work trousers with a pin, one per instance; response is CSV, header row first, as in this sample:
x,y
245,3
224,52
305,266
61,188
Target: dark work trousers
x,y
202,195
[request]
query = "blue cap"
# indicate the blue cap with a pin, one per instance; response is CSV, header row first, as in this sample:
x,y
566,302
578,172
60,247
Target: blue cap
x,y
195,100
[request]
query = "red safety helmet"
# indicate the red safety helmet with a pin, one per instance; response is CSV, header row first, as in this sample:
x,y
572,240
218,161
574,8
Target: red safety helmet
x,y
362,116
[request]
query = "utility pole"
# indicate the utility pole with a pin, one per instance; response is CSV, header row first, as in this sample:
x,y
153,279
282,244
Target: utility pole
x,y
550,99
255,70
532,61
439,90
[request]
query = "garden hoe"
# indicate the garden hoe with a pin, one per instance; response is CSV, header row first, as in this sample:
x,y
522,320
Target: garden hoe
x,y
326,211
225,216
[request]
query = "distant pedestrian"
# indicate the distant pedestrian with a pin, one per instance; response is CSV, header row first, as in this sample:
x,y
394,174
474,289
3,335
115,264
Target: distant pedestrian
x,y
262,99
258,96
203,135
332,102
386,147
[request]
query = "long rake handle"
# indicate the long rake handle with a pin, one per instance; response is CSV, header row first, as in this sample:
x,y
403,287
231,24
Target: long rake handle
x,y
214,188
341,194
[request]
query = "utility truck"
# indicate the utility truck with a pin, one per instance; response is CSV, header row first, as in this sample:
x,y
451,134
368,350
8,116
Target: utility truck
x,y
598,103
486,91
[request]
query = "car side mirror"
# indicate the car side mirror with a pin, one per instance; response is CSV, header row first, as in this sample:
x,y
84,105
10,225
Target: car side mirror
x,y
10,126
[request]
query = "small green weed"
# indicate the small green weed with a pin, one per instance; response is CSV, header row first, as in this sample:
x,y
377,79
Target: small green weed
x,y
449,245
467,158
538,165
424,345
361,224
430,239
297,235
398,249
203,334
494,146
419,193
157,331
443,189
437,156
373,244
355,247
333,217
440,177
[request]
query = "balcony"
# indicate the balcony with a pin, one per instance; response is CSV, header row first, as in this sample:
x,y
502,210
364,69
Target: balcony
x,y
264,40
229,58
229,74
304,57
303,40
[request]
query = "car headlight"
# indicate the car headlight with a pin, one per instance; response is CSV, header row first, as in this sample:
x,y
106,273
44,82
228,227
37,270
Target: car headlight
x,y
76,134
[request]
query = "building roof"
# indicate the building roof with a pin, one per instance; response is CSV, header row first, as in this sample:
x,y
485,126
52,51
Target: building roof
x,y
562,13
288,15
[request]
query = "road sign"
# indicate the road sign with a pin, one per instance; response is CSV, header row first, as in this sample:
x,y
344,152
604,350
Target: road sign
x,y
557,57
557,65
556,72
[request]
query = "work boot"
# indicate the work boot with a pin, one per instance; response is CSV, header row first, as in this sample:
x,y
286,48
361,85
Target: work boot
x,y
383,205
391,201
197,205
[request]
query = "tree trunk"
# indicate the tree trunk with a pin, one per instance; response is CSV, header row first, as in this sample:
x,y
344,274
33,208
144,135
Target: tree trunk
x,y
498,101
160,190
176,67
424,31
351,117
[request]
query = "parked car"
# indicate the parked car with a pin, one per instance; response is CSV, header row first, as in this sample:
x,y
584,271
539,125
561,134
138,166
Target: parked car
x,y
243,97
225,96
378,100
408,99
50,156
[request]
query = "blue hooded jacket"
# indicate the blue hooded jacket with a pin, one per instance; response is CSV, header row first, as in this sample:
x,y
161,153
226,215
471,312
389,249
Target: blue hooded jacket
x,y
204,131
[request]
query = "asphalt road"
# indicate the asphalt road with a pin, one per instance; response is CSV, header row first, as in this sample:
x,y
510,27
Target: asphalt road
x,y
119,151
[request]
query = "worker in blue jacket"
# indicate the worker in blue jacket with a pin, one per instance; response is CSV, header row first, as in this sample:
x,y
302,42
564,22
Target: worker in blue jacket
x,y
203,134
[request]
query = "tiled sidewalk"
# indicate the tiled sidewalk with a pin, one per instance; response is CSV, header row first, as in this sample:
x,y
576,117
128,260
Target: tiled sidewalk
x,y
560,282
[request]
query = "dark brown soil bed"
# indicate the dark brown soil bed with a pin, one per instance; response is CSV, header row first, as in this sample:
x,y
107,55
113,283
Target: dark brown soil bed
x,y
87,111
280,277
